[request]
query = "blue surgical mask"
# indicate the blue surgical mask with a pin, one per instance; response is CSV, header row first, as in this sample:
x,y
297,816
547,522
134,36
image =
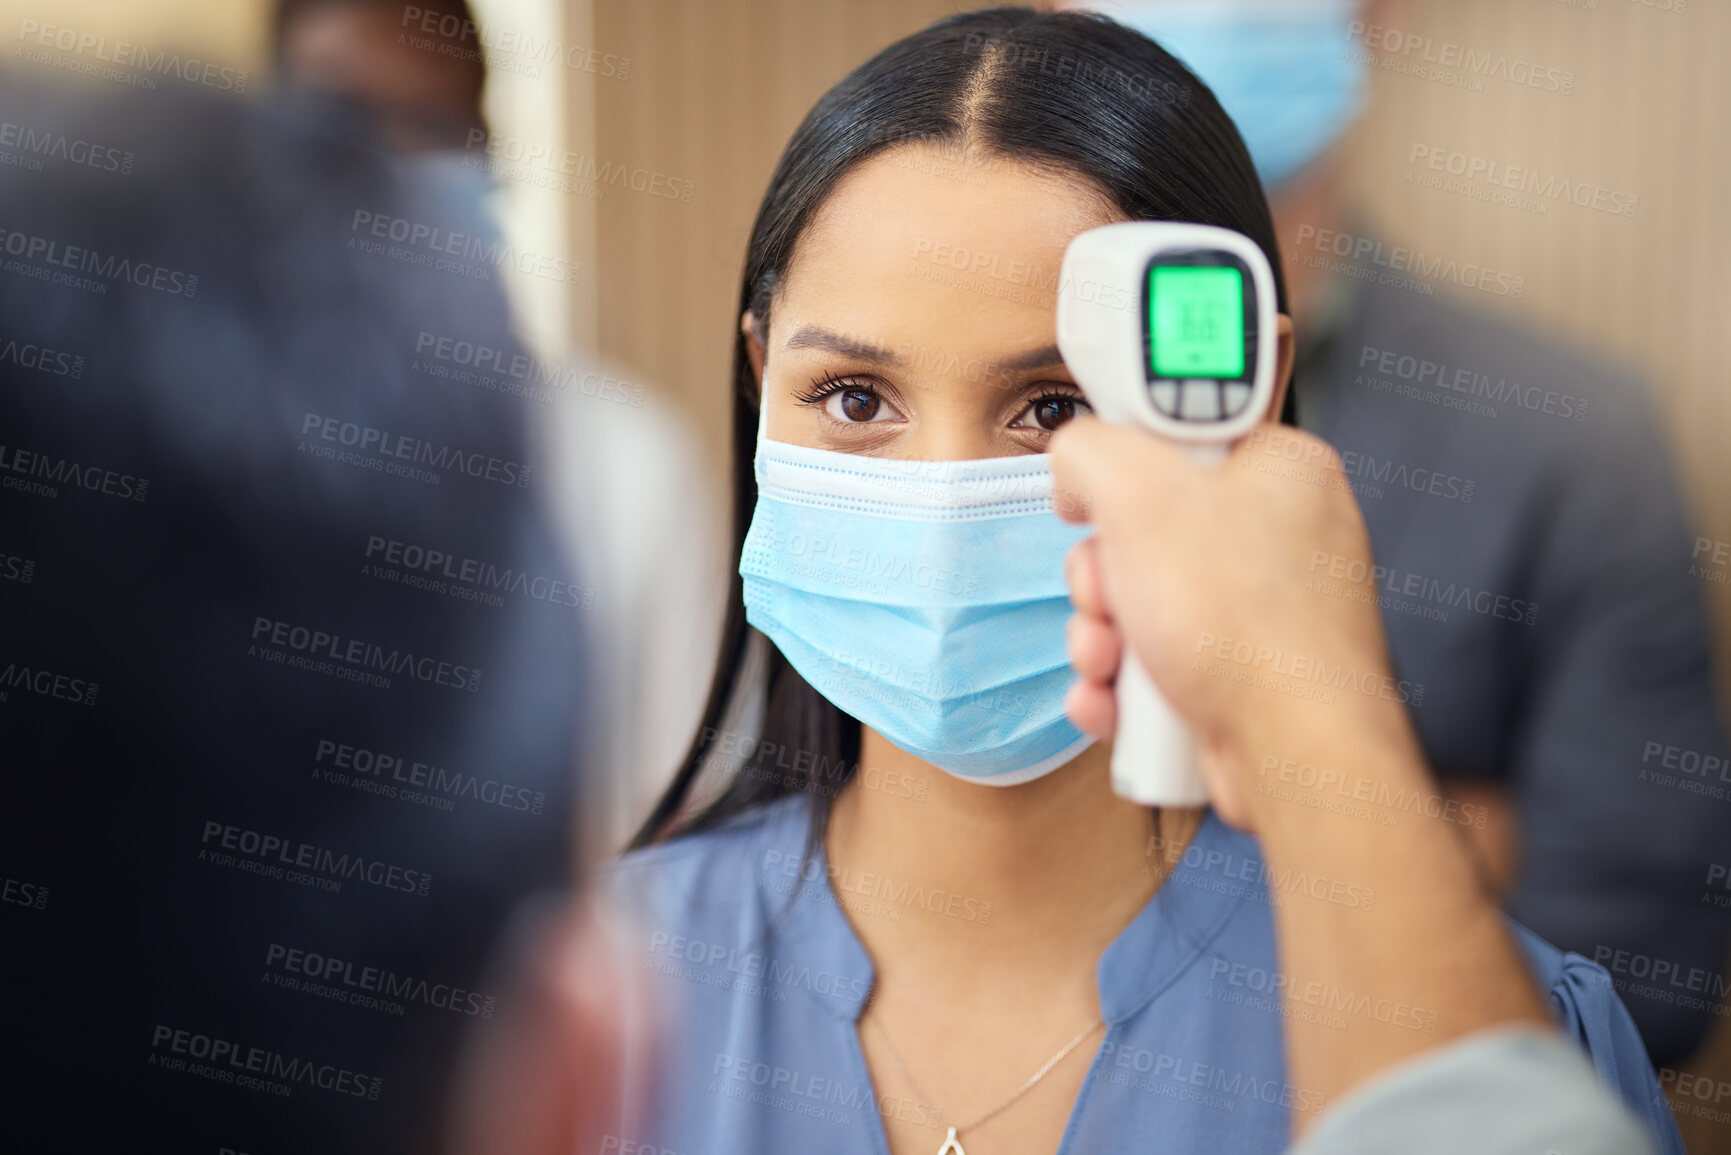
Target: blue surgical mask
x,y
924,598
455,189
1284,70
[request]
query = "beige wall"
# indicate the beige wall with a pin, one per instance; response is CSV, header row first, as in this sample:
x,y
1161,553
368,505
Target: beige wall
x,y
231,31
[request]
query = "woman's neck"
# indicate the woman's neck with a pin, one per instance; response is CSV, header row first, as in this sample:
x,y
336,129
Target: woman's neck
x,y
937,871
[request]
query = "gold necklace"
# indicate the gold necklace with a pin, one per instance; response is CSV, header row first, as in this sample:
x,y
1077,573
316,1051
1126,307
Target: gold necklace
x,y
952,1145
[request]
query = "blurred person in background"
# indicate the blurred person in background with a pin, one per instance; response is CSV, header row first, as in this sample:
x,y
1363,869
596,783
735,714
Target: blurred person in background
x,y
414,76
1548,609
423,96
292,697
413,92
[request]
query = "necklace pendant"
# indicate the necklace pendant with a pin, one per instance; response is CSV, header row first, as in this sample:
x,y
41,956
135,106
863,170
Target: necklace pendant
x,y
951,1146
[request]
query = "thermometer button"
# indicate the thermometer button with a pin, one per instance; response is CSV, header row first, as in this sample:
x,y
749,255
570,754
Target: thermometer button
x,y
1237,397
1166,397
1201,401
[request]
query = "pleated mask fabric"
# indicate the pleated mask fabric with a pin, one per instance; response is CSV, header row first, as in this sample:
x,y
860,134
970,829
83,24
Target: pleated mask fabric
x,y
924,598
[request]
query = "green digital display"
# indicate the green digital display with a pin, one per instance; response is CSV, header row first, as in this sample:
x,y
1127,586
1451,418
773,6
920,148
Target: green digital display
x,y
1196,321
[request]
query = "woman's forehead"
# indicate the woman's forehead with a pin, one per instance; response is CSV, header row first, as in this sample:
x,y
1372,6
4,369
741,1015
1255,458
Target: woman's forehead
x,y
920,238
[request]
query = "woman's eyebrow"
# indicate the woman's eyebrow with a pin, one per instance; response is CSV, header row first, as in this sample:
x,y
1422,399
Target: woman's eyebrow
x,y
812,337
1041,358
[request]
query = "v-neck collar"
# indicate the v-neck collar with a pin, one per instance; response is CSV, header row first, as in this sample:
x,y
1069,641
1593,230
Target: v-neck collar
x,y
1170,932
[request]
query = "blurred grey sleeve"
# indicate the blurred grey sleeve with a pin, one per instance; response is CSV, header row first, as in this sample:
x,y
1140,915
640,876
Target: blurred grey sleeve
x,y
1508,1092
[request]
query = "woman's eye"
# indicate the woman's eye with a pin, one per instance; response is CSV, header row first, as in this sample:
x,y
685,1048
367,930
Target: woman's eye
x,y
1048,413
849,402
857,406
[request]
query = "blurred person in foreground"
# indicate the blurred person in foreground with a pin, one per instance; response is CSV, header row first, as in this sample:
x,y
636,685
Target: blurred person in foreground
x,y
416,73
1532,549
292,693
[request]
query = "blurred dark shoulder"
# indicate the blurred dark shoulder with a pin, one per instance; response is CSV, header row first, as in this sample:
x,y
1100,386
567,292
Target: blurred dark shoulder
x,y
250,518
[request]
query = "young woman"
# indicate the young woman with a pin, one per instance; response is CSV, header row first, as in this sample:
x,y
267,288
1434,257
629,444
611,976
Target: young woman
x,y
891,896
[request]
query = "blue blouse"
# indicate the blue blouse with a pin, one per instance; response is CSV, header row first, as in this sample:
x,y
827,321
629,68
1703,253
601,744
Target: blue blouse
x,y
766,980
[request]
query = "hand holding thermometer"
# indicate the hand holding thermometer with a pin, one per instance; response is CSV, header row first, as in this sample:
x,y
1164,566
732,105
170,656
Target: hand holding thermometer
x,y
1168,327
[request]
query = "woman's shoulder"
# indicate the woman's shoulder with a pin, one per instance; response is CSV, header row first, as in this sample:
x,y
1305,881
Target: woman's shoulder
x,y
714,874
1587,1009
1582,993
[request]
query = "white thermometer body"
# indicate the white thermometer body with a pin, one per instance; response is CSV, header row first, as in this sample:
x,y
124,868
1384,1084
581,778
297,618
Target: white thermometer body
x,y
1170,328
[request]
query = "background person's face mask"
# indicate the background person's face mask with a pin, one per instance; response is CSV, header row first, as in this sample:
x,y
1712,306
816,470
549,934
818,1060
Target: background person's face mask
x,y
1286,71
924,598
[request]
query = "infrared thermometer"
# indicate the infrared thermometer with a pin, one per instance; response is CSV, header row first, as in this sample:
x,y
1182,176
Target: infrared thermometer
x,y
1169,328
